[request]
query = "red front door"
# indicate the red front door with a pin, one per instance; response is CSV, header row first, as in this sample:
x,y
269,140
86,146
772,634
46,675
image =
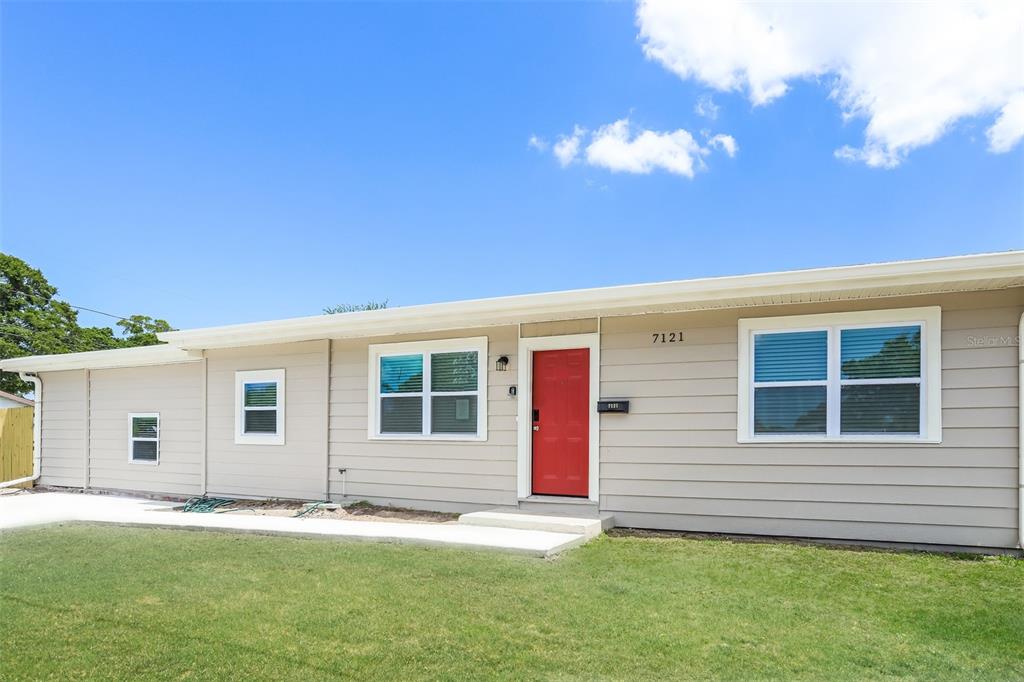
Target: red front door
x,y
561,422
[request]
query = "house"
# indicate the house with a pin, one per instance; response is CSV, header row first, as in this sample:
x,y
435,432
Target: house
x,y
870,403
12,400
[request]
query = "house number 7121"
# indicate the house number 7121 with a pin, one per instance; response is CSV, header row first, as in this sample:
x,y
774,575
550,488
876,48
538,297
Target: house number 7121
x,y
667,337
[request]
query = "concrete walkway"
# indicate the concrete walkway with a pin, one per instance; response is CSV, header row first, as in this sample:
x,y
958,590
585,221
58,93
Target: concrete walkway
x,y
24,510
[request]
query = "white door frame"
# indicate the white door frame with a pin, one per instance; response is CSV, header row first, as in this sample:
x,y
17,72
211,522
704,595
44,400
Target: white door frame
x,y
524,440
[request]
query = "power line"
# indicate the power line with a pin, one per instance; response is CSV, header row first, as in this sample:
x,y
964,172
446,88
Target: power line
x,y
12,331
43,300
99,312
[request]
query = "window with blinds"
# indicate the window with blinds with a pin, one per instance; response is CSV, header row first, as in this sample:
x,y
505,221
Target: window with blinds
x,y
790,382
855,381
144,438
432,393
259,413
880,380
260,407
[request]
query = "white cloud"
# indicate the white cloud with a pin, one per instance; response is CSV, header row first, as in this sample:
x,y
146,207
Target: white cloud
x,y
873,155
612,147
724,142
706,107
912,70
1009,127
538,143
568,146
620,149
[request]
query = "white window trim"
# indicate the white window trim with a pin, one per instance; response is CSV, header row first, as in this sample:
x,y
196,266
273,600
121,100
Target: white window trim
x,y
259,376
930,319
524,428
425,348
132,438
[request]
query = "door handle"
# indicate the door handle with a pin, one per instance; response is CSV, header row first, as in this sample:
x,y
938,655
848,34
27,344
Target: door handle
x,y
536,427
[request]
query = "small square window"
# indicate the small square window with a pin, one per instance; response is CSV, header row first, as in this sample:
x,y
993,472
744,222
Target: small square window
x,y
259,409
144,438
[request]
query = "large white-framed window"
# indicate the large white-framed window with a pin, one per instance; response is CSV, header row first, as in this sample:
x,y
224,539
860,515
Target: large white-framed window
x,y
259,407
428,390
144,437
870,376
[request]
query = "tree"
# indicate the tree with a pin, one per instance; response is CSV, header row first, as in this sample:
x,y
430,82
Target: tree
x,y
141,330
33,321
356,307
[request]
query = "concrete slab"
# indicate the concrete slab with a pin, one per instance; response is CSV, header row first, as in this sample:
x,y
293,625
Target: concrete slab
x,y
39,509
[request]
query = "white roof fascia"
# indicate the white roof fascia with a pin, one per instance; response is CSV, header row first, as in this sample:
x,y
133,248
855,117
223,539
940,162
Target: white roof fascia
x,y
938,275
957,273
99,359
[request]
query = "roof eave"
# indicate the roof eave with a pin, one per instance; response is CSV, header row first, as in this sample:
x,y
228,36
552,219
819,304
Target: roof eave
x,y
100,359
962,273
17,399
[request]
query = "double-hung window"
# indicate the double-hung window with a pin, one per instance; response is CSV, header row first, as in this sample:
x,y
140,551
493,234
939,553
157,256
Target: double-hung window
x,y
144,437
863,376
429,390
259,407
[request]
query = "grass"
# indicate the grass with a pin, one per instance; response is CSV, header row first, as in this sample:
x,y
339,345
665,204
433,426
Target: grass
x,y
128,603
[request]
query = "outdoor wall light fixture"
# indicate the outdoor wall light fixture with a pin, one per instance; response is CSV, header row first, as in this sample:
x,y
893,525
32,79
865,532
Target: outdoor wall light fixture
x,y
502,364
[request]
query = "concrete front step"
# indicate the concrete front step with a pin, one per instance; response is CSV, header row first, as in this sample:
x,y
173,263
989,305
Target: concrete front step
x,y
559,506
587,527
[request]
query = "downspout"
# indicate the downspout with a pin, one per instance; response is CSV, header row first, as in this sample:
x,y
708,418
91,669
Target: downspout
x,y
87,449
37,432
203,475
1020,432
327,421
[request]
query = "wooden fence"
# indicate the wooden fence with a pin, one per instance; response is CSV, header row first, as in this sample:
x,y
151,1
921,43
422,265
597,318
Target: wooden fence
x,y
16,444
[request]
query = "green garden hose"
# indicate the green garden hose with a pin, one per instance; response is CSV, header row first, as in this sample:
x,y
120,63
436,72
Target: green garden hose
x,y
308,509
205,505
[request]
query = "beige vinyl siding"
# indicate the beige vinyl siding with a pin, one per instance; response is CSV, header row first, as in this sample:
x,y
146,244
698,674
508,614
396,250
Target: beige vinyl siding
x,y
63,428
173,391
296,469
441,475
559,328
674,461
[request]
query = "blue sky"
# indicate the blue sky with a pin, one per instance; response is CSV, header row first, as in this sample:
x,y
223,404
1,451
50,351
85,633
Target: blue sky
x,y
218,163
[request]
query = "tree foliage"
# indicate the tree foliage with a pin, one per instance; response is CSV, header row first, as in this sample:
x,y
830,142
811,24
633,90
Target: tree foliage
x,y
33,321
899,356
141,330
356,307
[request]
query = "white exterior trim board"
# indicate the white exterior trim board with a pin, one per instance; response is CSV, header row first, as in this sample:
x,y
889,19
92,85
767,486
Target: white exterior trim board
x,y
524,435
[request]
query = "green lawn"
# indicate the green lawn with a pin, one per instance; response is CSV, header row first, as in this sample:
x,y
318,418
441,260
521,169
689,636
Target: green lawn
x,y
94,602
